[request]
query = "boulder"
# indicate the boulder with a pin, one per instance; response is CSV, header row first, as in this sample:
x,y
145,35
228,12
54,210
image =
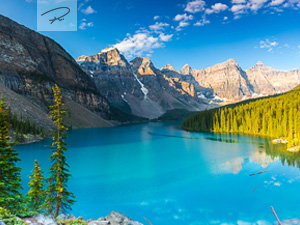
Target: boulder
x,y
290,222
116,218
65,217
44,220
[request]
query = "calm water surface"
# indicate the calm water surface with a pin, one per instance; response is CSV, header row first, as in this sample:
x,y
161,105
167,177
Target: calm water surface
x,y
169,176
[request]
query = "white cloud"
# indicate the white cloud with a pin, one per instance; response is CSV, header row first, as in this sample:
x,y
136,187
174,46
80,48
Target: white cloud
x,y
165,37
183,24
195,6
268,44
183,17
276,2
141,42
84,25
216,8
255,5
225,18
238,9
238,1
88,10
202,22
158,26
156,17
28,0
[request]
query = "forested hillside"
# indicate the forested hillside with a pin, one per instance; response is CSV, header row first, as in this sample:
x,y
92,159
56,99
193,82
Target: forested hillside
x,y
277,117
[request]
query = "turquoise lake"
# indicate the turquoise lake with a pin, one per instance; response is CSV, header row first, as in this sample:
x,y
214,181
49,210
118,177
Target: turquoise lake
x,y
170,176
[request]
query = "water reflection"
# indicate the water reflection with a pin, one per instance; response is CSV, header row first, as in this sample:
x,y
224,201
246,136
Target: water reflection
x,y
278,151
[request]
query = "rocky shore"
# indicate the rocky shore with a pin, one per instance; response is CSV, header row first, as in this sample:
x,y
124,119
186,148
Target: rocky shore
x,y
114,218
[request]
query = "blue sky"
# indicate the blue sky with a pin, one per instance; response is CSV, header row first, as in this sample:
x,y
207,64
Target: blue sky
x,y
198,32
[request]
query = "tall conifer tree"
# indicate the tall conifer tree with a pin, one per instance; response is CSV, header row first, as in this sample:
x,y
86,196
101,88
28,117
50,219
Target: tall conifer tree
x,y
36,193
59,198
10,174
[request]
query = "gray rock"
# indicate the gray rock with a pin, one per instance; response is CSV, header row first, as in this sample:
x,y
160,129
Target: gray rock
x,y
44,220
65,217
116,218
290,222
2,223
98,222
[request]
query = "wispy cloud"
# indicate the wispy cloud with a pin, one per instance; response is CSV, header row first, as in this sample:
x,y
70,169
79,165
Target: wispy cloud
x,y
216,8
83,25
240,7
202,22
183,17
195,6
88,10
141,42
156,17
268,44
158,26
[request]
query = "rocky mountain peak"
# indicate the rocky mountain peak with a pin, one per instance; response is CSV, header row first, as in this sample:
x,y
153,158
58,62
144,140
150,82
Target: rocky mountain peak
x,y
168,67
186,69
109,49
231,62
143,66
81,59
259,66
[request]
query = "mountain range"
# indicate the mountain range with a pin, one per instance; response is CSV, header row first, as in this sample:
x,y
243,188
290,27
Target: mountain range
x,y
149,92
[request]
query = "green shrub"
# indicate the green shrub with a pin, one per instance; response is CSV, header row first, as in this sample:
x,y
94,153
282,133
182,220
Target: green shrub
x,y
71,222
9,219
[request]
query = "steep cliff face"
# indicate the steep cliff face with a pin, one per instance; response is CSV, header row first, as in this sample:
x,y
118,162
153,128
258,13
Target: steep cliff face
x,y
138,84
227,80
31,63
266,80
112,75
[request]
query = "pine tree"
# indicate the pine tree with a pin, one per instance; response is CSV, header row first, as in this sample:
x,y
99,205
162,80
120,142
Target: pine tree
x,y
10,177
58,197
36,193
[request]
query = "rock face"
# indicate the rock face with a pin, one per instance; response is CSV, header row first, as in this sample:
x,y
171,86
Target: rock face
x,y
30,64
228,82
116,218
138,85
266,80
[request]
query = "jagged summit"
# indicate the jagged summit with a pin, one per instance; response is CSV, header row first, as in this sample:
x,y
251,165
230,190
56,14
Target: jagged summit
x,y
81,58
260,66
168,67
143,66
259,63
231,62
186,69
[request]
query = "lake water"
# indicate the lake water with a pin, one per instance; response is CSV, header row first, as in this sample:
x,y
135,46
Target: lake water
x,y
173,177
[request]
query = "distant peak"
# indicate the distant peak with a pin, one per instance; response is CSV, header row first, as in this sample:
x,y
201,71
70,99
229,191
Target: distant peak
x,y
81,58
168,67
259,63
260,66
186,66
186,69
231,61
